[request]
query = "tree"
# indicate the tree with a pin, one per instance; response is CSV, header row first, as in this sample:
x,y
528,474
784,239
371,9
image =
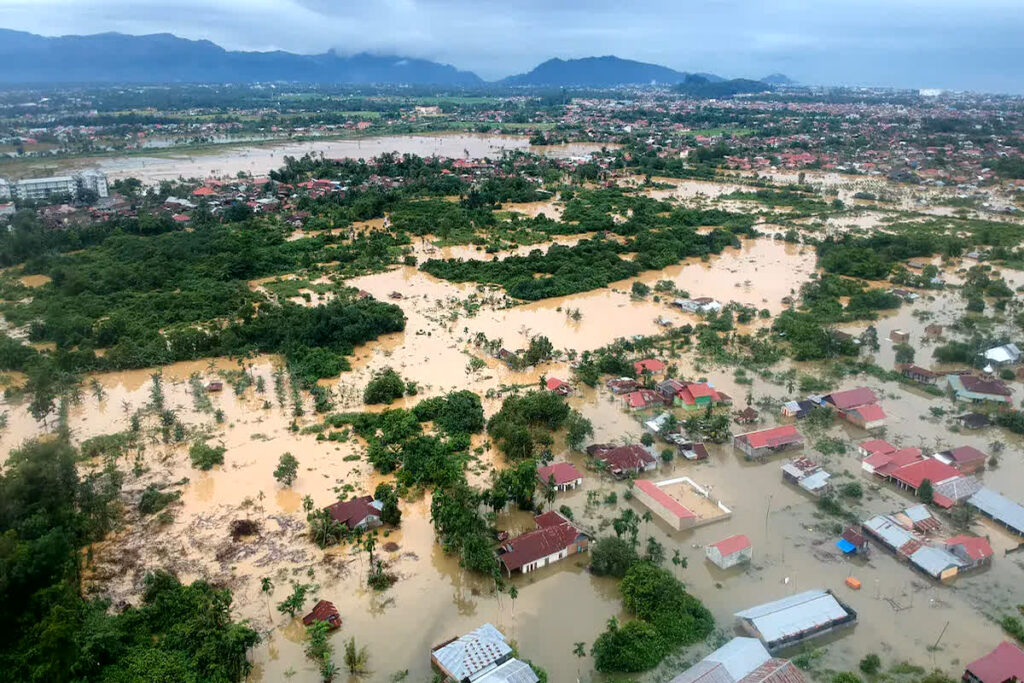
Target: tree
x,y
390,512
513,593
647,439
287,469
871,664
612,556
904,353
294,602
579,429
580,650
926,492
385,386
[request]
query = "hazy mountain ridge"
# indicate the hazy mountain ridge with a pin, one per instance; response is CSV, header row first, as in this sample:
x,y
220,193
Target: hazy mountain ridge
x,y
165,58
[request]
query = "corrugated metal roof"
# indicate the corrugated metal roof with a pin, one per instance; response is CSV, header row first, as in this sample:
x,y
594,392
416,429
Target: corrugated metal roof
x,y
469,655
934,561
816,481
512,671
889,531
727,664
793,615
1000,508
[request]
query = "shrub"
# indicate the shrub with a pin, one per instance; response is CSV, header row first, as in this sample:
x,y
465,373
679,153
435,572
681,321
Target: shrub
x,y
154,500
385,386
612,556
871,664
287,469
205,457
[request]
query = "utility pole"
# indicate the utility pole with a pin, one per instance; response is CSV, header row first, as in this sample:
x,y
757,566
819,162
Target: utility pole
x,y
942,633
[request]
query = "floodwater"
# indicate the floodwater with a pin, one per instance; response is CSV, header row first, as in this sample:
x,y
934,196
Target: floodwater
x,y
259,159
901,613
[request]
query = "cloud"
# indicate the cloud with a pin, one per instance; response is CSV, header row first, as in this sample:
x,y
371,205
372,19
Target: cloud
x,y
944,43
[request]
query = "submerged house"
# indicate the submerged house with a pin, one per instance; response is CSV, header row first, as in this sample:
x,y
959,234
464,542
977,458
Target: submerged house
x,y
1005,663
729,552
563,476
741,660
936,562
999,508
681,502
557,386
916,373
649,366
323,611
857,406
1007,354
481,656
973,389
966,459
973,552
767,442
357,513
795,619
555,538
808,475
624,460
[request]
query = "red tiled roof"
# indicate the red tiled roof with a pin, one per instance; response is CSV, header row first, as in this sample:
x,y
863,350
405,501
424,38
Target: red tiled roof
x,y
931,469
550,518
534,545
975,547
665,500
875,446
648,365
776,436
323,611
352,512
984,386
203,192
563,472
870,413
965,454
554,383
887,462
852,398
733,544
1004,663
631,457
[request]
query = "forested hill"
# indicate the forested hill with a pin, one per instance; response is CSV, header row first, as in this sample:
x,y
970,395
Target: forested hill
x,y
597,72
164,58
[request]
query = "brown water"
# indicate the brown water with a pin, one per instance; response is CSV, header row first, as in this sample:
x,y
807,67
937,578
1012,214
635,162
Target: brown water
x,y
259,158
434,599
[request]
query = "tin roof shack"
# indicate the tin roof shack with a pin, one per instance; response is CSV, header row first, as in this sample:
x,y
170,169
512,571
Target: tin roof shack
x,y
808,475
999,508
931,561
480,656
681,502
1005,663
767,442
729,552
624,460
789,621
741,660
967,459
323,611
555,538
562,475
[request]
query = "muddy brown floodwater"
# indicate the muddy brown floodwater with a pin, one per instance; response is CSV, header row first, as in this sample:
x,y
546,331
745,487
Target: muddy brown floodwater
x,y
901,614
259,159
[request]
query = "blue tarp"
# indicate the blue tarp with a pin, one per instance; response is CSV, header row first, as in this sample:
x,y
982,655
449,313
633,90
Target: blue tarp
x,y
846,546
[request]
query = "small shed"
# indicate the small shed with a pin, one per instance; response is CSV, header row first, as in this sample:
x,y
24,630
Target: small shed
x,y
899,337
214,386
323,611
729,552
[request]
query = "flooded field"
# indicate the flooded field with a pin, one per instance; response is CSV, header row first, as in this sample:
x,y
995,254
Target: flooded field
x,y
259,159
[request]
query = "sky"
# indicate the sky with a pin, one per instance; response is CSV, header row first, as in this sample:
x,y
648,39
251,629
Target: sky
x,y
954,44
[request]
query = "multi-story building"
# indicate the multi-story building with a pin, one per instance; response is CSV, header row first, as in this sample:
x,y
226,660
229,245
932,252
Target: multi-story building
x,y
35,189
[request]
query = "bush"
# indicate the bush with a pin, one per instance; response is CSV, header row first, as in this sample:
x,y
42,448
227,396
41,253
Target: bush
x,y
154,500
287,469
205,457
634,647
385,387
871,664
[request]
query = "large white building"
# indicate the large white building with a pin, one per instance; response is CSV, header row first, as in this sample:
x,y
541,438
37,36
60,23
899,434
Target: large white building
x,y
35,189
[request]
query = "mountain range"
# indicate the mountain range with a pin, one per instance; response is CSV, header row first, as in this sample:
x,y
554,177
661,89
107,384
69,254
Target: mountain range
x,y
165,58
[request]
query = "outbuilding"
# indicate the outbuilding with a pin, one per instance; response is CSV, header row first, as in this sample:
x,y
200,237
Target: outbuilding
x,y
729,552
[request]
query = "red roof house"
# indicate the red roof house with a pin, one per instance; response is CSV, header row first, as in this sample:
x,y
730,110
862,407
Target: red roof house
x,y
874,447
1005,663
884,462
555,539
204,192
558,386
867,417
851,398
649,365
760,444
623,460
911,476
974,551
357,513
323,611
966,459
729,551
564,474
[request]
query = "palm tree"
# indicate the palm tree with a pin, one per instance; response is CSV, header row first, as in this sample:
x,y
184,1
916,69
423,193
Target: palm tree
x,y
513,593
267,586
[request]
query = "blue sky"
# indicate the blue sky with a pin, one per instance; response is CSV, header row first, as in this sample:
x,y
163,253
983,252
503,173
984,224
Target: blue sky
x,y
957,44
